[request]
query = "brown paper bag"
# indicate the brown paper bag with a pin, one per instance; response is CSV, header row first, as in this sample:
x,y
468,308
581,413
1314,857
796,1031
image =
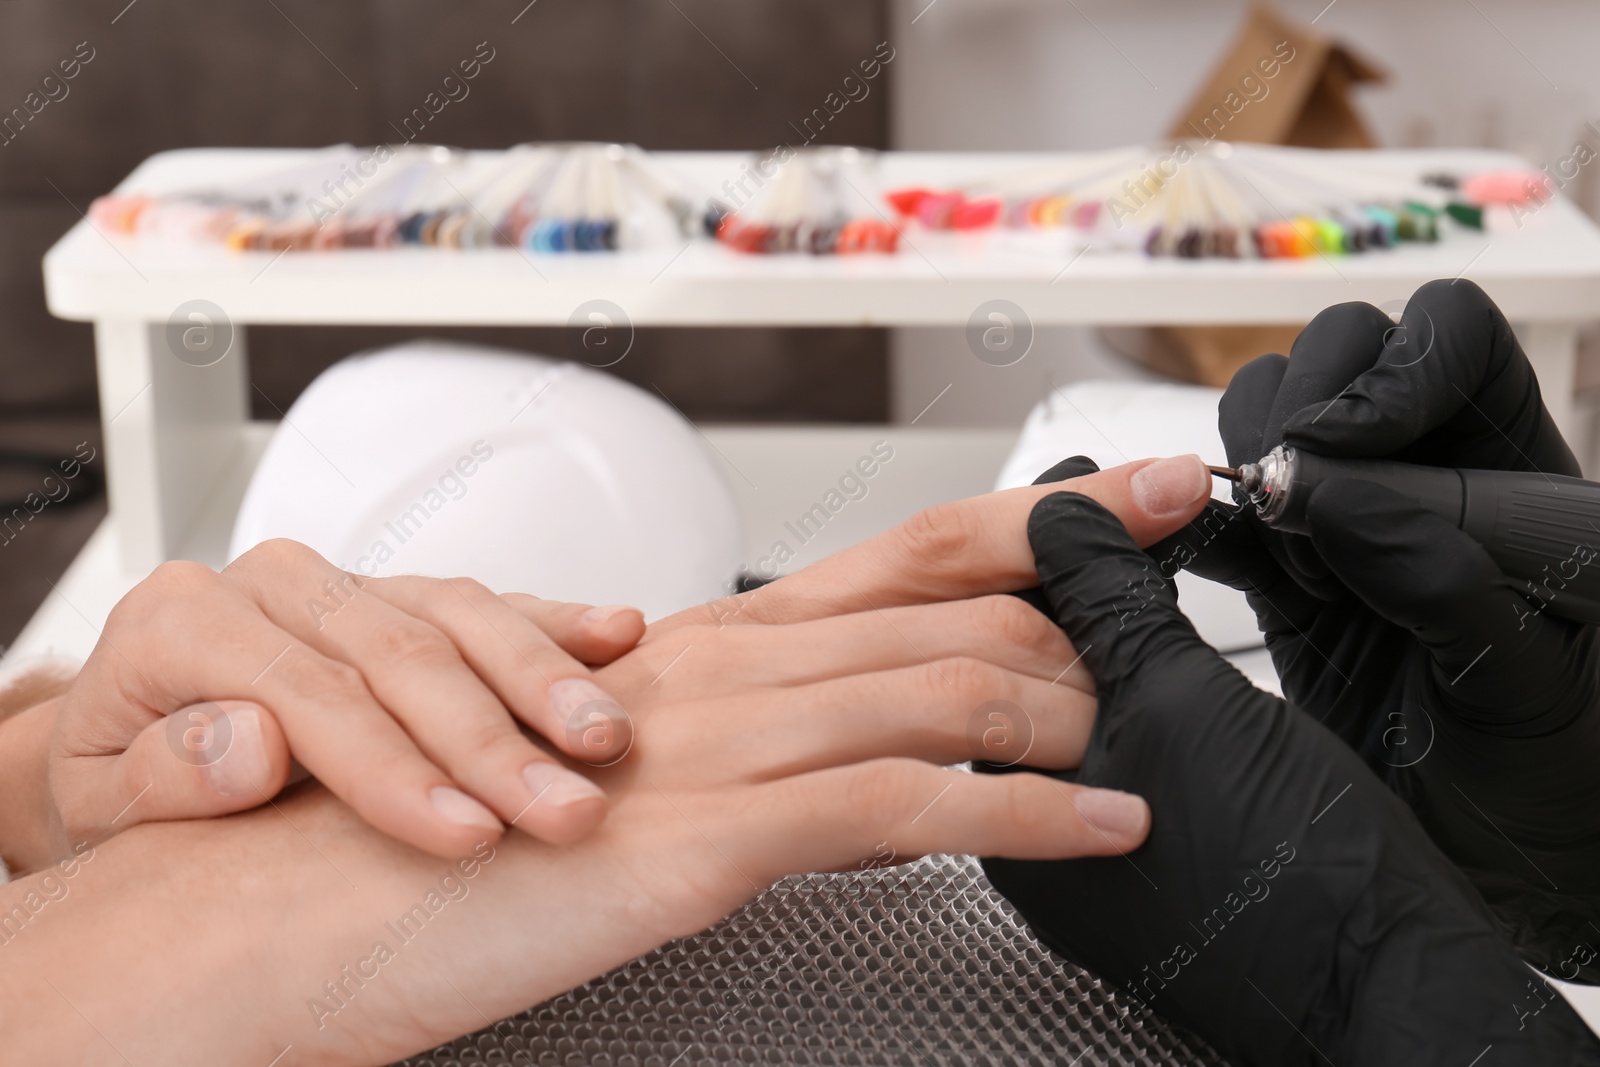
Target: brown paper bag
x,y
1305,101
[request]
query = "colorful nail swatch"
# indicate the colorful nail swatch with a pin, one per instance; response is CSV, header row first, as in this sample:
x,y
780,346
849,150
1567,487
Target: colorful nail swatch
x,y
1192,200
541,198
821,201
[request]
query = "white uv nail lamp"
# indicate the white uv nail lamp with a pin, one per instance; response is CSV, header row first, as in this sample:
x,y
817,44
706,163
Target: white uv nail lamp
x,y
527,474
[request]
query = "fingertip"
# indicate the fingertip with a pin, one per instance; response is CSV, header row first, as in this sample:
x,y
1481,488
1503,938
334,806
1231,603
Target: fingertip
x,y
1453,298
1121,820
247,758
566,807
199,762
617,625
1252,388
1148,499
1110,597
1172,489
1072,467
458,809
1050,513
1265,371
1242,411
455,845
572,822
591,725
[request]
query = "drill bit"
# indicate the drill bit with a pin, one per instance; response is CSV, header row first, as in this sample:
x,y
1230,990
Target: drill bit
x,y
1248,478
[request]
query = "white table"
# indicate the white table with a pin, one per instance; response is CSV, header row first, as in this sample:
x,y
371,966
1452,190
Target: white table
x,y
179,445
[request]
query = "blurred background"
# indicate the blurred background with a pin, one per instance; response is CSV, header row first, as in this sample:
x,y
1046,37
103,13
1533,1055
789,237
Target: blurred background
x,y
688,74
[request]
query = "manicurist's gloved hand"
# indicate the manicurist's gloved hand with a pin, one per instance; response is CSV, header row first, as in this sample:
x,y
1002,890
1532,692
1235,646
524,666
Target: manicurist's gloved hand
x,y
1477,706
1286,906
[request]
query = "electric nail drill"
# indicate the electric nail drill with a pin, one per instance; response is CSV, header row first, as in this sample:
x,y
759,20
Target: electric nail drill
x,y
1543,529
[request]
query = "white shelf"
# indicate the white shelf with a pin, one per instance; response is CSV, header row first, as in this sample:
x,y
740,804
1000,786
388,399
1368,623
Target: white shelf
x,y
171,429
1548,271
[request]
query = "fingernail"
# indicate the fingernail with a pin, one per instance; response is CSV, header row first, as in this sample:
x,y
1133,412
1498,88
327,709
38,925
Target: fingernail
x,y
570,694
1113,812
461,809
1169,486
240,769
555,786
602,615
599,730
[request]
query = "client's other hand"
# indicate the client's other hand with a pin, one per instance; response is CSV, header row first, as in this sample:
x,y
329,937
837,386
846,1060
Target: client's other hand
x,y
1287,906
403,695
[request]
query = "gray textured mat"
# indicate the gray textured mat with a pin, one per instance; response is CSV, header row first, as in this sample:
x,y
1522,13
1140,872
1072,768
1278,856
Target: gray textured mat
x,y
923,964
906,965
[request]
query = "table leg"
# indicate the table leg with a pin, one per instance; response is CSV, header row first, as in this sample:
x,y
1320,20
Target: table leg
x,y
171,429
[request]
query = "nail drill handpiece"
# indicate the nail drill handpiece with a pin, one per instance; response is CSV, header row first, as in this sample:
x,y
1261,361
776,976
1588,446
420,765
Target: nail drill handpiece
x,y
1542,530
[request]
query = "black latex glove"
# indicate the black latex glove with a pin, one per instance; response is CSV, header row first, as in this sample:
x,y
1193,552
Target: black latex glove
x,y
1287,907
1398,632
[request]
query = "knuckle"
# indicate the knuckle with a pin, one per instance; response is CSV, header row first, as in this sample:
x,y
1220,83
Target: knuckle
x,y
969,681
181,575
1016,623
651,661
882,792
684,636
1353,318
273,553
671,647
416,643
1029,812
940,538
133,611
399,585
1460,296
326,681
474,590
1454,586
523,603
490,736
78,822
152,600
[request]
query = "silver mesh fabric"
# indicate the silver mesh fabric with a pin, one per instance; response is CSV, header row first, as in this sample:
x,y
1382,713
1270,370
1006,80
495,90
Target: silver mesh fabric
x,y
919,965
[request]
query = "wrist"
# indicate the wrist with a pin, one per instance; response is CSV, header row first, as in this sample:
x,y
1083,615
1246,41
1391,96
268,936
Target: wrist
x,y
27,812
266,942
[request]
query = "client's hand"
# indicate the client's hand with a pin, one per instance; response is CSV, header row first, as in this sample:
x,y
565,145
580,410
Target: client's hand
x,y
1479,707
963,549
402,695
761,752
1287,906
919,607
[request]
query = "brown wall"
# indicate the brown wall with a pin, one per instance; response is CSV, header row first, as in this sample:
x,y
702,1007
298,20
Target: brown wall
x,y
181,73
177,73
